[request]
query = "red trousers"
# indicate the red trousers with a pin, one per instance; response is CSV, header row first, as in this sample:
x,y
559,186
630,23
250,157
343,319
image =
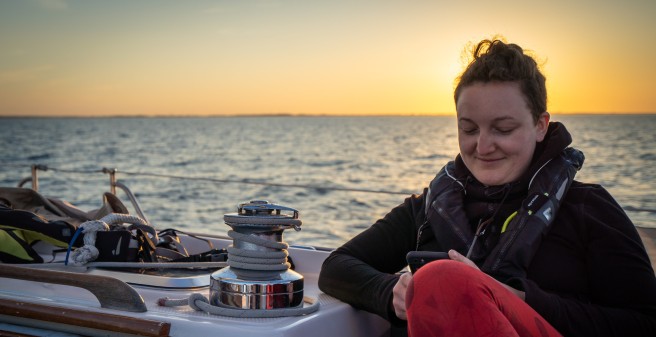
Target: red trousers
x,y
449,298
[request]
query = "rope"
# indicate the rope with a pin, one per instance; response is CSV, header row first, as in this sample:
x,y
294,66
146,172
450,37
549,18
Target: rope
x,y
199,302
250,182
218,180
252,260
89,252
258,260
261,261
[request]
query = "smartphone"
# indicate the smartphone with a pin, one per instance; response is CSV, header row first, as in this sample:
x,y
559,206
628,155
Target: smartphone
x,y
416,259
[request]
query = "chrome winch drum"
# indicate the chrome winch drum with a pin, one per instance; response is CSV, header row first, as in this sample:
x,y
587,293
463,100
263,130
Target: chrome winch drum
x,y
258,274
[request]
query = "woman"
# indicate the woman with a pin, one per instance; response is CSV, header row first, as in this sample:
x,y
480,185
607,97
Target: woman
x,y
532,252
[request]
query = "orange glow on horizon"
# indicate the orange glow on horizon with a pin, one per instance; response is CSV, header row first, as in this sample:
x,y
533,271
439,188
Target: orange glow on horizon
x,y
78,58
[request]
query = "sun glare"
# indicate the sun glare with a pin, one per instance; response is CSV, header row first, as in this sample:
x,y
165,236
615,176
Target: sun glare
x,y
378,58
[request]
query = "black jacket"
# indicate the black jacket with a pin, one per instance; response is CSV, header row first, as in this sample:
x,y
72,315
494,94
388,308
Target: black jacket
x,y
591,275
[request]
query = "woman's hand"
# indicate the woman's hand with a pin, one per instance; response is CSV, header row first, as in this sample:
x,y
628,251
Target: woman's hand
x,y
461,258
401,286
398,295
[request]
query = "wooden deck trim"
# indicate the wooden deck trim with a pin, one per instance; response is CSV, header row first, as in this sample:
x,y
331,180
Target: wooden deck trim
x,y
110,292
84,319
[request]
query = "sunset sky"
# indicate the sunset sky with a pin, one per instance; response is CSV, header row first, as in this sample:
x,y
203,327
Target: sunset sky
x,y
130,57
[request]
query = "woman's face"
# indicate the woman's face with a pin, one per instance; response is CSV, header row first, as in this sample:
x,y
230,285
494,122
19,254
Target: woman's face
x,y
496,131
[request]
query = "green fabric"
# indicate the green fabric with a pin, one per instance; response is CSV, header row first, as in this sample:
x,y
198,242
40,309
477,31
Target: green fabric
x,y
31,237
9,244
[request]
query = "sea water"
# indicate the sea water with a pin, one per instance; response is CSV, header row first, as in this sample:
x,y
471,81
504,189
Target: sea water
x,y
341,173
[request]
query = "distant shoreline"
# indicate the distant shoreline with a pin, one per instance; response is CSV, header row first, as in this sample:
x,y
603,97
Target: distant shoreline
x,y
306,115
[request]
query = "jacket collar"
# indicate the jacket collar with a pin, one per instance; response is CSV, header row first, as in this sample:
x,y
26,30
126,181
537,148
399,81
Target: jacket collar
x,y
555,141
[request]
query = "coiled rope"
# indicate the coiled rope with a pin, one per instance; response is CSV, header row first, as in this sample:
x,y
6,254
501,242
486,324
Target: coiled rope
x,y
257,260
261,261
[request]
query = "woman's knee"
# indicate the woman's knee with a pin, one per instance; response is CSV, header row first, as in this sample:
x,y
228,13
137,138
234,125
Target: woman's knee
x,y
448,280
446,271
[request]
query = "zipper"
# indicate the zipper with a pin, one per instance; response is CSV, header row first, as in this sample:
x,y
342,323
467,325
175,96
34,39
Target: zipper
x,y
421,229
506,246
445,216
480,230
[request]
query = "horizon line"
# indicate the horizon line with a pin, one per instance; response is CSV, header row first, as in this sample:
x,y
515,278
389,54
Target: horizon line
x,y
284,114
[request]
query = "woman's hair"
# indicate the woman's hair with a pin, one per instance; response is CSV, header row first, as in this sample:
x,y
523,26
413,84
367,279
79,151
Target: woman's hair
x,y
497,61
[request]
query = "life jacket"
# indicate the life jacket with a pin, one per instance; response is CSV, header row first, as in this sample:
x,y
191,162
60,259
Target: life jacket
x,y
522,233
20,229
27,217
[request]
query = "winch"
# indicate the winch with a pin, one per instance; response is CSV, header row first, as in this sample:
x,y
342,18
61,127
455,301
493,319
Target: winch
x,y
258,274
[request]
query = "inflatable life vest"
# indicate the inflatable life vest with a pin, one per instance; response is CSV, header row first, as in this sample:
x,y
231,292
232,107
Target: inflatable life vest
x,y
20,229
27,217
522,234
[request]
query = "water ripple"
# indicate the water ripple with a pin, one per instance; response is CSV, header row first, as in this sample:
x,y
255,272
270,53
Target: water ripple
x,y
374,153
